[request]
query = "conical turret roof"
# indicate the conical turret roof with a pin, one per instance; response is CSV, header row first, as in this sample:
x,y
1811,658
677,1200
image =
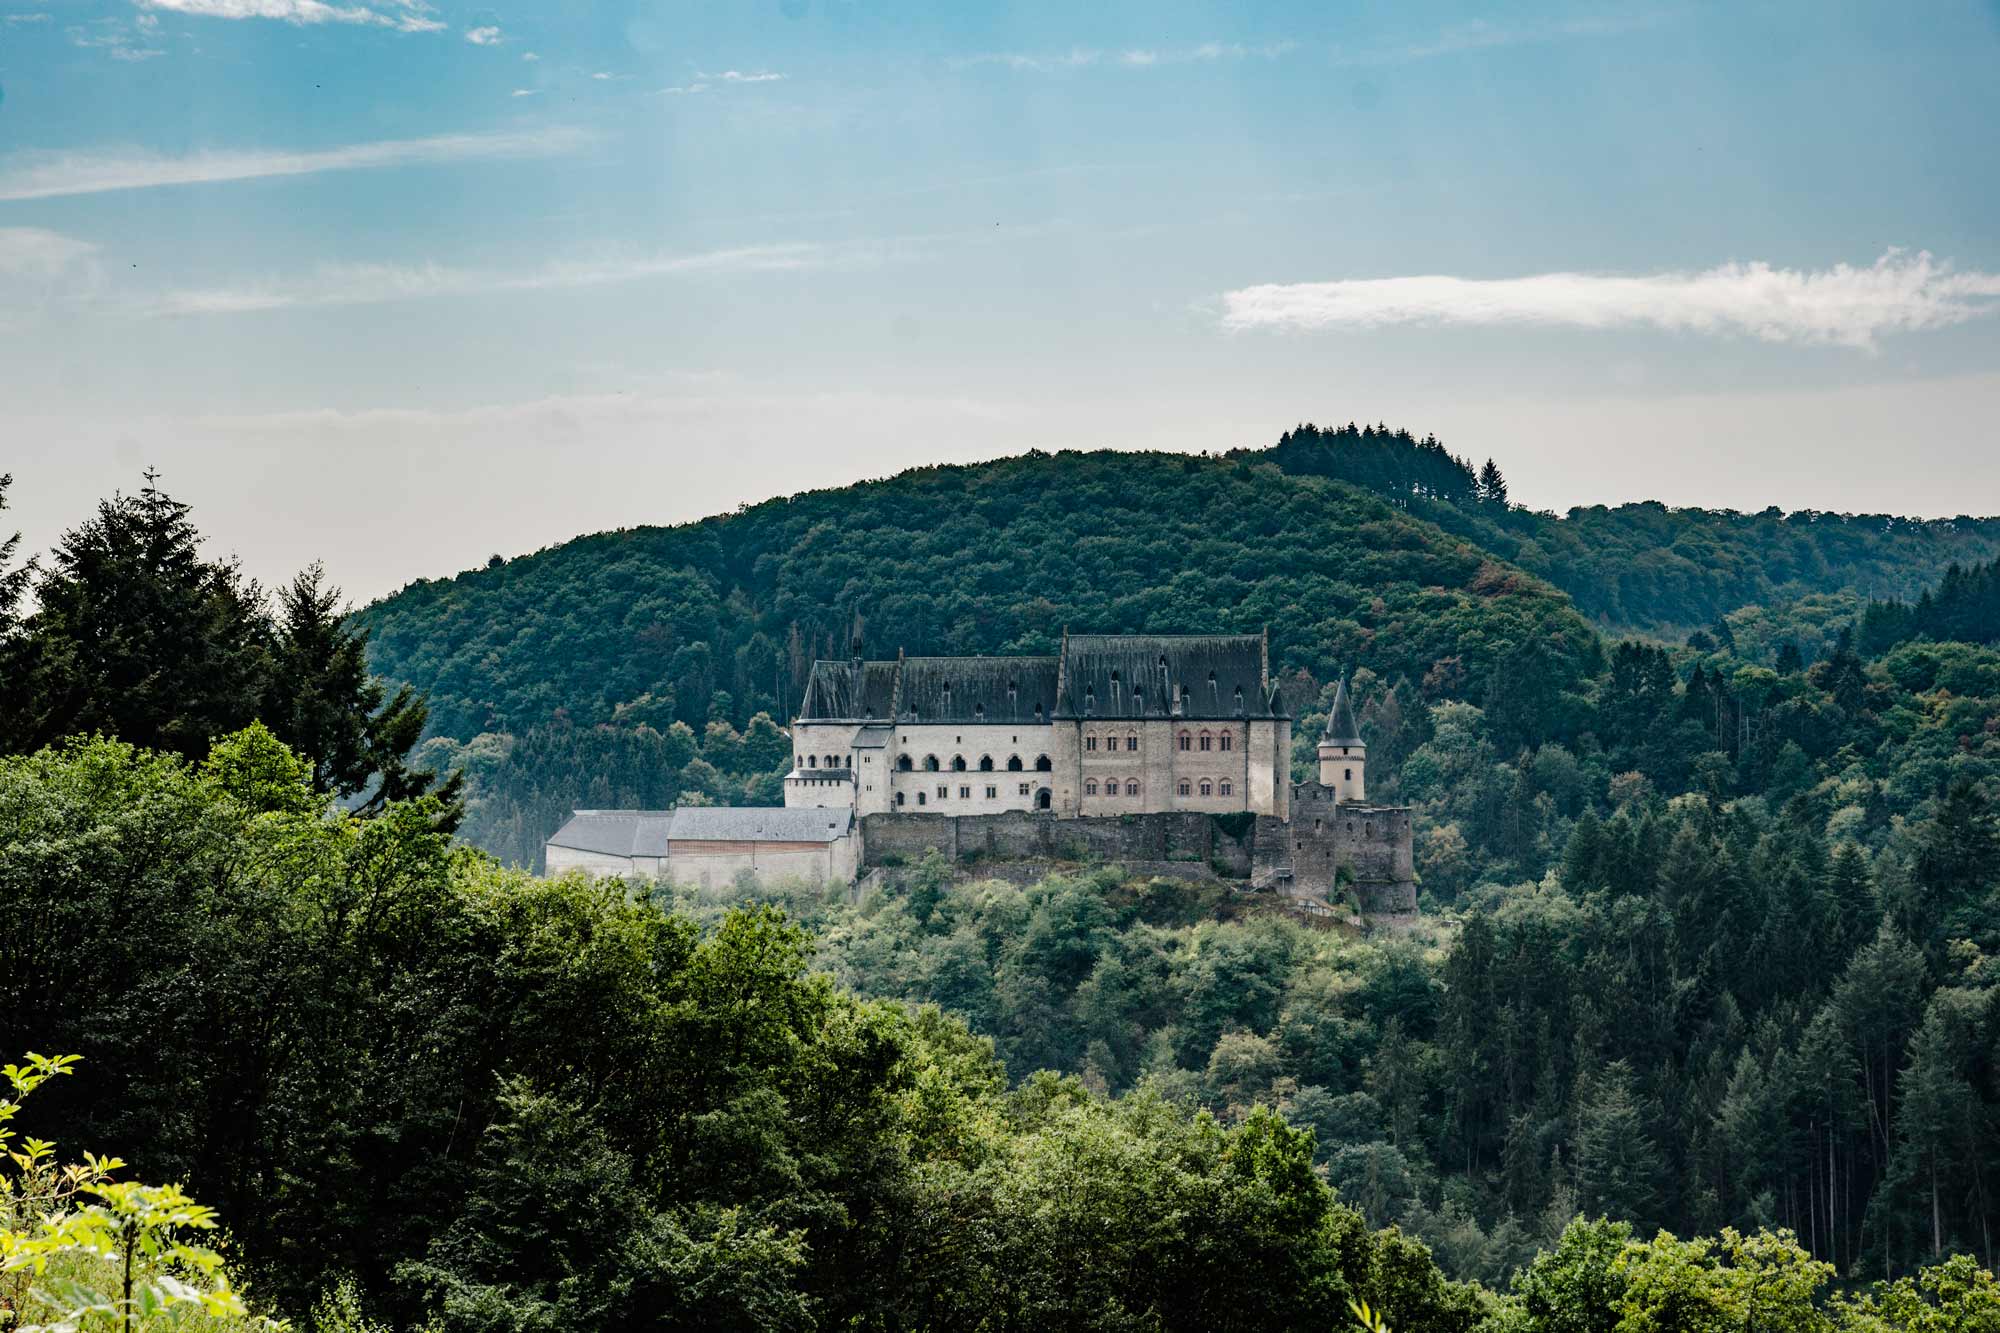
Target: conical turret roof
x,y
1340,726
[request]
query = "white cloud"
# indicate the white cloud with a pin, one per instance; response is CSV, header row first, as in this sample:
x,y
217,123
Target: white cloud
x,y
1844,305
483,36
601,75
26,18
374,284
47,175
739,76
1480,34
409,15
686,89
112,35
529,55
1133,58
33,252
526,92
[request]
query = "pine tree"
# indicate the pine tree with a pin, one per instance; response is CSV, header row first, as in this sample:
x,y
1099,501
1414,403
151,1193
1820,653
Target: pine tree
x,y
136,634
13,582
1492,486
321,700
1618,1168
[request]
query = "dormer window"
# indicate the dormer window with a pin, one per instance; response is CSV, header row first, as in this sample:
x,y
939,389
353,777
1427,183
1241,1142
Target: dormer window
x,y
978,711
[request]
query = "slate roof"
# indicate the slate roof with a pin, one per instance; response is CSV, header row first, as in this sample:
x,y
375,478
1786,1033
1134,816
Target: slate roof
x,y
873,737
1196,676
977,689
615,832
1340,726
849,691
744,823
647,832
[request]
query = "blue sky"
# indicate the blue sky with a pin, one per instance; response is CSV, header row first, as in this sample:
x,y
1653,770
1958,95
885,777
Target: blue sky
x,y
400,283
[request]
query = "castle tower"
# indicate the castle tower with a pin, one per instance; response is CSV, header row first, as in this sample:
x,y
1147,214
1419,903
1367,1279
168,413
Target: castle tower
x,y
1343,758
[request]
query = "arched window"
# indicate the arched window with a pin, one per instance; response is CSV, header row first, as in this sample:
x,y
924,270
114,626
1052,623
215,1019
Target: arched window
x,y
930,763
1187,741
1350,775
1207,741
920,798
1014,763
1132,743
812,761
832,761
1090,786
899,797
1043,765
1186,788
1207,787
902,763
1228,787
1131,786
1228,741
958,763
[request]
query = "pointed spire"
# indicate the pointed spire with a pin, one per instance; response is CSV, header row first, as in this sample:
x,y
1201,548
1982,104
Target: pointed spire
x,y
1340,726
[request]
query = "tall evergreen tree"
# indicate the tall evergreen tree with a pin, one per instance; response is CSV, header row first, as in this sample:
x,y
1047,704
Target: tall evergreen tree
x,y
137,634
1492,486
13,582
321,700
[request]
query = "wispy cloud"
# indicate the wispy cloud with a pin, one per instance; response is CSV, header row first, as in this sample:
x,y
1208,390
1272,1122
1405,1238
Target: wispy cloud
x,y
33,252
116,39
374,284
1844,305
701,82
47,175
402,15
38,17
1130,58
1480,34
488,36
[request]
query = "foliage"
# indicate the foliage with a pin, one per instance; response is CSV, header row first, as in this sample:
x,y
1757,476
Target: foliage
x,y
79,1247
137,634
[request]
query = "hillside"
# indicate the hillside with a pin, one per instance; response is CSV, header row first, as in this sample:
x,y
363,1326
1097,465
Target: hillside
x,y
715,622
1645,566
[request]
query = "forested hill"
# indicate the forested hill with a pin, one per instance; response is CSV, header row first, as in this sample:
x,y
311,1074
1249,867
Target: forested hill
x,y
717,621
1645,566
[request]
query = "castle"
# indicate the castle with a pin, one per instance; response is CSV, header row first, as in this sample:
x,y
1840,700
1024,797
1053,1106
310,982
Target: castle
x,y
1150,750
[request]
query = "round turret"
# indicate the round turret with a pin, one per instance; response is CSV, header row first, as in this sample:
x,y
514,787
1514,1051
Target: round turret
x,y
1343,756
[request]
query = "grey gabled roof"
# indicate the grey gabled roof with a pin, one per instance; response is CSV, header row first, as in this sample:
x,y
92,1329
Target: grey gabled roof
x,y
1340,725
744,823
615,832
849,691
1199,676
977,689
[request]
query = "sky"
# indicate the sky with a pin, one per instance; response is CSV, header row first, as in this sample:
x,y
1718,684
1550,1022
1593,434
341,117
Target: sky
x,y
402,284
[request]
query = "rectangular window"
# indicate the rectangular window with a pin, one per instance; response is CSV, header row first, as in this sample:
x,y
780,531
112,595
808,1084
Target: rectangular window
x,y
1024,789
1205,741
1227,740
965,793
1131,742
943,792
1090,742
1186,741
1228,788
992,792
1186,788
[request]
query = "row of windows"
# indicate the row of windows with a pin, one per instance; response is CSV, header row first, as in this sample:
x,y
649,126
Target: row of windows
x,y
958,765
832,761
1186,787
965,793
1188,741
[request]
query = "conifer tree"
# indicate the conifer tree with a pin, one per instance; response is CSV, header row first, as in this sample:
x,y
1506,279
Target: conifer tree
x,y
321,700
1492,486
13,582
135,633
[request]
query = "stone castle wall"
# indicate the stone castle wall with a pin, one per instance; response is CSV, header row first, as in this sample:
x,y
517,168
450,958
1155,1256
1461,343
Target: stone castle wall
x,y
1300,857
1022,835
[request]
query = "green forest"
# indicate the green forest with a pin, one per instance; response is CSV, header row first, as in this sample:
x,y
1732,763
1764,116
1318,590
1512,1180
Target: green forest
x,y
1701,1029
